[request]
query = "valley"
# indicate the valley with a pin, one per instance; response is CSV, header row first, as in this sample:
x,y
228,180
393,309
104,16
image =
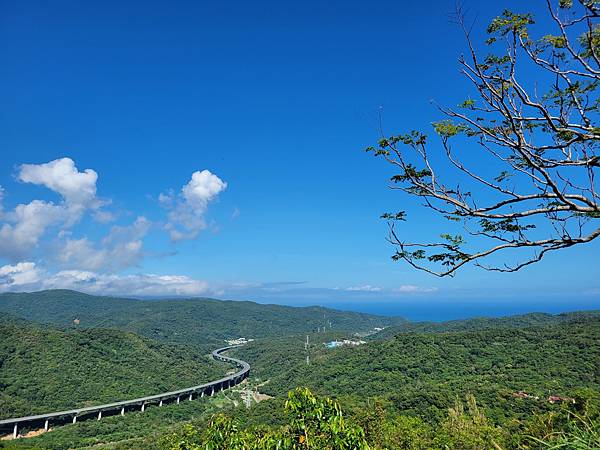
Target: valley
x,y
517,368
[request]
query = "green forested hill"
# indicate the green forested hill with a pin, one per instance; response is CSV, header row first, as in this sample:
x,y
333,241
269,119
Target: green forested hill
x,y
191,321
481,323
406,378
422,373
399,389
44,369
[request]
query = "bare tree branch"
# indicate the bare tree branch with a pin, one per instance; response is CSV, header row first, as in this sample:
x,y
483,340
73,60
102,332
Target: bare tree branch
x,y
544,148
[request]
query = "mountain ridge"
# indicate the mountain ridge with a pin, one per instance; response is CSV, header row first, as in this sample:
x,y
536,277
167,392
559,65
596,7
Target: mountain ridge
x,y
196,321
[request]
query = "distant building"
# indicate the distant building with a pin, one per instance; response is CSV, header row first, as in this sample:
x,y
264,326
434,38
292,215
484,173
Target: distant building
x,y
522,394
238,341
557,399
333,344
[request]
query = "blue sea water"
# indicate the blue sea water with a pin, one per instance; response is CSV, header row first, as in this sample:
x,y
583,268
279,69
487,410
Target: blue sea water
x,y
438,309
450,309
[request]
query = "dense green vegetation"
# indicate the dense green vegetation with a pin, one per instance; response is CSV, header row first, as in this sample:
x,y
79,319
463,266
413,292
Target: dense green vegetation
x,y
203,322
421,374
435,390
429,386
482,323
44,369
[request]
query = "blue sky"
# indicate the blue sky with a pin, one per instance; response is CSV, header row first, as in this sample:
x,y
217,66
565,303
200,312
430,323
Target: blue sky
x,y
277,102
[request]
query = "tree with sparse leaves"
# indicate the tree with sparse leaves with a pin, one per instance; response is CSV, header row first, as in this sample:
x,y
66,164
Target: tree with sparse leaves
x,y
314,423
513,167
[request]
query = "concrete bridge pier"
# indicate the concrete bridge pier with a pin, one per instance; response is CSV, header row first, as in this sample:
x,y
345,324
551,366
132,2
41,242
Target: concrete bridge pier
x,y
201,394
123,411
15,431
212,391
74,419
99,415
178,399
160,403
46,425
143,407
190,397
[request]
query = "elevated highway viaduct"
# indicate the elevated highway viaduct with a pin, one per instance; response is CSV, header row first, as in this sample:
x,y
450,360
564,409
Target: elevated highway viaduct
x,y
44,421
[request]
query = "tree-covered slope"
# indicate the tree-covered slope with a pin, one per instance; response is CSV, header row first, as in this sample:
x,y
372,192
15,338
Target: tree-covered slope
x,y
422,373
194,321
481,323
44,369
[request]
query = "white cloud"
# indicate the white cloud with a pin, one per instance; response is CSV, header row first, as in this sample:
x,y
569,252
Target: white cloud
x,y
403,289
61,176
19,275
121,248
23,227
413,289
142,284
187,210
365,288
202,188
103,216
26,276
166,200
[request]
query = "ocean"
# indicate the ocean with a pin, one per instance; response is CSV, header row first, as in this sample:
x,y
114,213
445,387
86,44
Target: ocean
x,y
439,310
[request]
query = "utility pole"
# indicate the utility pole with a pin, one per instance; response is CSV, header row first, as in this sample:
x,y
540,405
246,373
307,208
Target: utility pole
x,y
306,350
247,399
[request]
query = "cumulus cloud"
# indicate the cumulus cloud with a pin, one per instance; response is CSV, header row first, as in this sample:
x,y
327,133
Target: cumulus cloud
x,y
187,209
77,188
26,276
121,248
22,228
202,188
22,274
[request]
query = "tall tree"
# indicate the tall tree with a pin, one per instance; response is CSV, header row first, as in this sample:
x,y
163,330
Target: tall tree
x,y
523,177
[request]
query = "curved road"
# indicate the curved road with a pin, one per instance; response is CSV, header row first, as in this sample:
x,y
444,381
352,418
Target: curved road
x,y
61,417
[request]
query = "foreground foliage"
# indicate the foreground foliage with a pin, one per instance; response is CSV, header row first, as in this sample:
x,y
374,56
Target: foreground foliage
x,y
319,423
313,423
